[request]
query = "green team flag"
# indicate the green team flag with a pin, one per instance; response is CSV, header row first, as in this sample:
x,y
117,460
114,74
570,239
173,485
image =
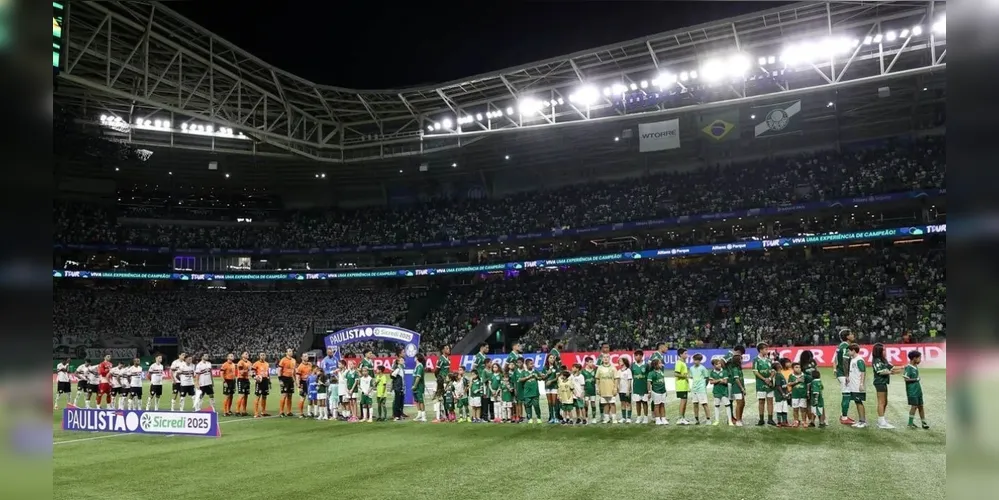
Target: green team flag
x,y
719,126
777,119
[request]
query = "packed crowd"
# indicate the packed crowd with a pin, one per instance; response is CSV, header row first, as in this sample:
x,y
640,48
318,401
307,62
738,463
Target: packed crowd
x,y
218,322
779,297
774,182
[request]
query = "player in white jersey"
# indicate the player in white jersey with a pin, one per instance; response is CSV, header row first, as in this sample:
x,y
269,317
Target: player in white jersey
x,y
116,376
175,379
93,383
857,384
82,372
135,385
206,384
186,374
63,385
155,384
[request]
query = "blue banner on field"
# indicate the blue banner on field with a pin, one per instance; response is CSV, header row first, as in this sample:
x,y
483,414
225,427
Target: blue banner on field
x,y
409,339
201,423
410,271
506,238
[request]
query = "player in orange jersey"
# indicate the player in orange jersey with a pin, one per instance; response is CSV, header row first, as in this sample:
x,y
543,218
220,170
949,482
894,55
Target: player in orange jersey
x,y
243,382
228,384
262,373
302,373
286,377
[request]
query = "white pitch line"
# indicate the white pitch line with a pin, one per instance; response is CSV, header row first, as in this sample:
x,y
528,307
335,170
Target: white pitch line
x,y
94,438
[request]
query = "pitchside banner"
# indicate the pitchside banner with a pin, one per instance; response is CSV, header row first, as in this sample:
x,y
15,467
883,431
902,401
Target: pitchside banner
x,y
934,355
658,136
205,424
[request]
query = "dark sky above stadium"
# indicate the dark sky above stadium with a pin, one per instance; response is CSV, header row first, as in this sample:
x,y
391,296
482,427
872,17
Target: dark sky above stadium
x,y
373,45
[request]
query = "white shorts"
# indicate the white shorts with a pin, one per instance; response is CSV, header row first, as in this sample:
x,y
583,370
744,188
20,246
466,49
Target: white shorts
x,y
737,397
658,399
355,396
764,395
780,406
321,396
798,403
344,398
591,399
698,398
475,402
507,404
722,401
843,386
639,398
608,401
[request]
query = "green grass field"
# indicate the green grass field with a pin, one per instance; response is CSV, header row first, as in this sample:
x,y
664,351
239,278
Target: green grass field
x,y
276,458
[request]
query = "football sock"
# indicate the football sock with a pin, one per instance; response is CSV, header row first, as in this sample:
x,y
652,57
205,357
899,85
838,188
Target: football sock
x,y
845,404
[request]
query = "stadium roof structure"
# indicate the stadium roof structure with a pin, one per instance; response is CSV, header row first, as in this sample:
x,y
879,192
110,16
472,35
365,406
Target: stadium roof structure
x,y
156,79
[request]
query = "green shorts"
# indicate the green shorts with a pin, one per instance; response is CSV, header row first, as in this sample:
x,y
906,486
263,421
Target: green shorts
x,y
915,400
858,397
568,406
366,400
580,403
463,403
531,401
418,395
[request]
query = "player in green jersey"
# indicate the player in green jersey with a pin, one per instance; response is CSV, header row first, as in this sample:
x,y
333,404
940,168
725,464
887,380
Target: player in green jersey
x,y
556,353
590,389
681,374
475,396
841,361
699,388
518,387
443,370
419,388
764,384
551,372
883,370
719,391
818,403
656,379
659,353
640,389
479,365
530,379
799,391
780,390
736,384
913,389
461,390
506,397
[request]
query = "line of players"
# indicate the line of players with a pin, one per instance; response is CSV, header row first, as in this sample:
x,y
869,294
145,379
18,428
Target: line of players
x,y
121,387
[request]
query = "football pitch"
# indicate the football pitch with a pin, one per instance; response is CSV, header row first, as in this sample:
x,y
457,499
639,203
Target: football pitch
x,y
278,457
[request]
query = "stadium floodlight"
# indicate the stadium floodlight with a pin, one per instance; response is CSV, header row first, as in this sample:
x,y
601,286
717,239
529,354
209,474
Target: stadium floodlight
x,y
713,70
528,106
891,36
738,65
509,110
148,123
917,30
633,86
506,157
166,123
619,89
693,75
138,121
644,84
454,165
158,123
664,80
940,27
547,104
762,60
446,123
607,91
430,128
684,76
771,59
868,39
561,101
104,118
878,38
586,95
904,33
478,116
183,126
210,129
437,125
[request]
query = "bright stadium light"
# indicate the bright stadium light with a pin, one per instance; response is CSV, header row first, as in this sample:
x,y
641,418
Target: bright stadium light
x,y
607,91
904,33
762,60
738,65
509,110
664,80
940,27
561,101
158,123
868,39
713,70
693,75
446,123
772,59
430,128
634,87
619,89
684,76
917,30
878,38
586,95
891,36
644,84
478,116
528,106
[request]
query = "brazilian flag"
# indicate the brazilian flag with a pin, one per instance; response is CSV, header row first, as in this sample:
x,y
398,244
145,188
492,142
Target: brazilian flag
x,y
720,126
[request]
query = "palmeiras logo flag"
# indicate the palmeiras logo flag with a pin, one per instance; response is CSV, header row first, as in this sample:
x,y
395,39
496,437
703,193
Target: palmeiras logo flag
x,y
720,126
777,119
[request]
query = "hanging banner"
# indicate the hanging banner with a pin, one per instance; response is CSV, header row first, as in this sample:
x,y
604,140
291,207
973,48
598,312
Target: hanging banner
x,y
658,136
720,126
776,119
